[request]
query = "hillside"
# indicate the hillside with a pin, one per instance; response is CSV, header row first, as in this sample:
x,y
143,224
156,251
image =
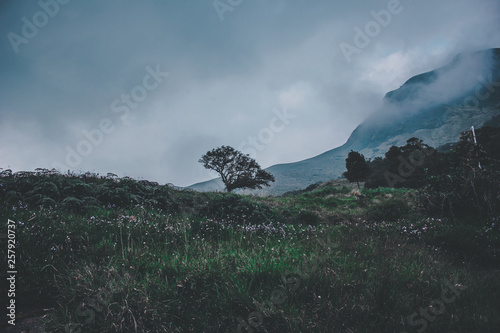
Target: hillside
x,y
105,254
434,106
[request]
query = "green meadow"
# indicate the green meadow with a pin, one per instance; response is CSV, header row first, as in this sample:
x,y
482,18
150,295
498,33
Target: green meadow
x,y
108,254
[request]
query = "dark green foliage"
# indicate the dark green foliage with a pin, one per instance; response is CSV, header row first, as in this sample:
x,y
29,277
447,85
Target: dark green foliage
x,y
72,204
451,183
404,166
48,189
142,268
91,202
471,241
79,189
390,209
236,169
164,260
235,208
307,217
47,202
12,197
357,168
471,185
463,182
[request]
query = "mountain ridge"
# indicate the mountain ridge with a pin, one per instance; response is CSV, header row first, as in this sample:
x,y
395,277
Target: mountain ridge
x,y
434,106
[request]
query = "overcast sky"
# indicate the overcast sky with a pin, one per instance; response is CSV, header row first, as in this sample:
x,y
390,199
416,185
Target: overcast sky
x,y
144,88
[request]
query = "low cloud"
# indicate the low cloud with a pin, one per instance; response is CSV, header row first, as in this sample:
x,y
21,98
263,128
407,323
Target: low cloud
x,y
226,77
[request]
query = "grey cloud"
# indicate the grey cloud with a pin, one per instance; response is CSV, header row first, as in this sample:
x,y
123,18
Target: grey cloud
x,y
226,77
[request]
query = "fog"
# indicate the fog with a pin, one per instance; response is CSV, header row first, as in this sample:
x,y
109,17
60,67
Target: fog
x,y
143,89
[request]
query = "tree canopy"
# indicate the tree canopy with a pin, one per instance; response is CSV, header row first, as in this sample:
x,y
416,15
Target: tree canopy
x,y
236,169
357,168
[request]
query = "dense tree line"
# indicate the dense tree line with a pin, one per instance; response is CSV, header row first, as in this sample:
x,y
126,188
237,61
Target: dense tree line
x,y
462,180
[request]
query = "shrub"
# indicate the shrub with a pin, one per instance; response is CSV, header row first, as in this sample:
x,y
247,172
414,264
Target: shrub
x,y
74,205
47,189
13,197
46,202
479,244
236,208
79,190
308,218
388,210
91,201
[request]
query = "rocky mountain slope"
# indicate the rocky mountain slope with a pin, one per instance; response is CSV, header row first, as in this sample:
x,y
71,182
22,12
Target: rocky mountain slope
x,y
434,106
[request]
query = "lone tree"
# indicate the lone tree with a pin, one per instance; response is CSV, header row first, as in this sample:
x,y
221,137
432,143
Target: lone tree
x,y
357,168
236,169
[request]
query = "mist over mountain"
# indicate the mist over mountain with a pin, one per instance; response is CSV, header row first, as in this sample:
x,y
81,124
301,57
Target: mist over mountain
x,y
434,106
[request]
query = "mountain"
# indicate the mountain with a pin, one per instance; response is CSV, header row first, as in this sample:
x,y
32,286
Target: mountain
x,y
434,106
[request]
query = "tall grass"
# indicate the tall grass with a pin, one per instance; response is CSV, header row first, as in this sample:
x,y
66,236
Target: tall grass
x,y
230,263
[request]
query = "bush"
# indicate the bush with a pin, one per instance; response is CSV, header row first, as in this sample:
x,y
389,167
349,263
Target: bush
x,y
13,197
470,185
74,205
388,210
308,218
47,202
229,206
479,244
91,202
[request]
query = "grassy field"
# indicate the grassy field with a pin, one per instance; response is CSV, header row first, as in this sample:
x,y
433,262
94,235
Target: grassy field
x,y
331,259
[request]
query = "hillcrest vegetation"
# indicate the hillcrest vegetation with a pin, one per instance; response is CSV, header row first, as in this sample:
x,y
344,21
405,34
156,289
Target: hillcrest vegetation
x,y
237,170
416,249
